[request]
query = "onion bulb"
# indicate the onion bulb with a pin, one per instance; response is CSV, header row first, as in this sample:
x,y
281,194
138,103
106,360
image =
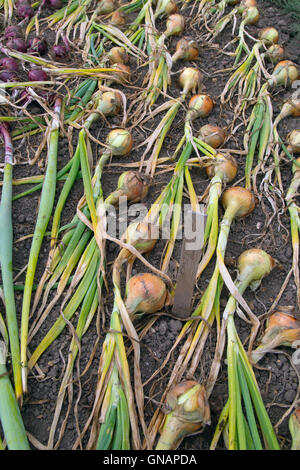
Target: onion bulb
x,y
175,25
145,293
293,141
60,51
253,265
186,49
275,53
110,103
8,76
118,55
200,105
284,73
9,64
119,141
105,7
240,199
251,15
12,32
38,45
24,9
18,44
212,135
190,80
269,35
142,236
37,75
282,330
188,412
223,165
118,18
122,74
132,185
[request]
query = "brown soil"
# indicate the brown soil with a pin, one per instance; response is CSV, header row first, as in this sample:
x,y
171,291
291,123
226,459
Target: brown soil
x,y
276,375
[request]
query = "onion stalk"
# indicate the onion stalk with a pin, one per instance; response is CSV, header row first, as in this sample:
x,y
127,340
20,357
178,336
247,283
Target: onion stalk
x,y
10,415
6,261
244,398
44,214
294,222
258,134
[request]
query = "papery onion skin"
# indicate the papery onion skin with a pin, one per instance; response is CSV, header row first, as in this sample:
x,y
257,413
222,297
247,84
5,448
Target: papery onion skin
x,y
284,73
60,51
38,45
132,185
240,197
120,141
118,55
200,105
145,293
223,165
110,103
18,44
190,80
9,64
12,32
186,49
269,35
175,25
212,135
37,75
118,18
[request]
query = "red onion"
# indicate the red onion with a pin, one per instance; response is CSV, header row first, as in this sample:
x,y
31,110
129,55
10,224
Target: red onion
x,y
18,44
8,76
12,32
60,51
9,64
37,75
38,45
24,10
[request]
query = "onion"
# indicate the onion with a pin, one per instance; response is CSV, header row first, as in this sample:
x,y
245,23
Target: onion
x,y
118,55
123,73
186,49
293,141
284,73
190,80
60,51
38,45
246,4
105,7
145,293
118,18
132,185
223,165
251,15
142,236
8,76
175,25
24,10
212,135
269,35
275,53
199,106
240,199
189,412
12,32
37,75
9,64
253,265
166,7
282,330
119,141
18,44
110,103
